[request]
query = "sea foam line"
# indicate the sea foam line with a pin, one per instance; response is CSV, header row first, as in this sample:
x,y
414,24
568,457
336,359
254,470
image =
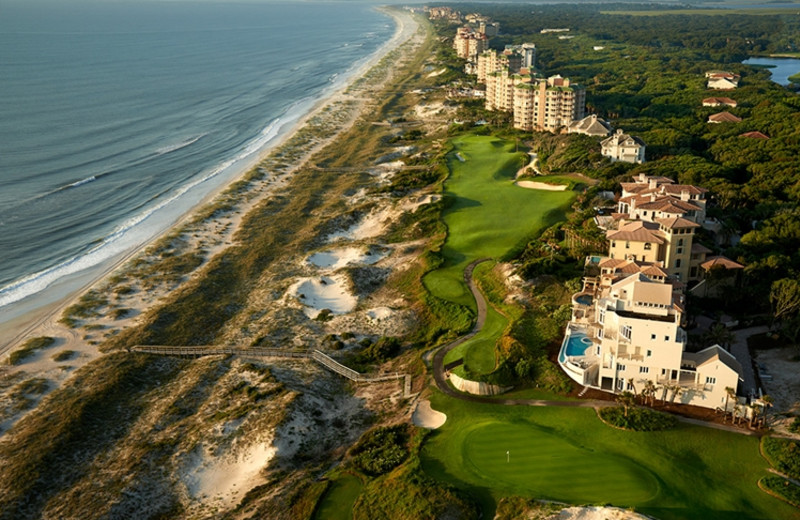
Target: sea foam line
x,y
113,244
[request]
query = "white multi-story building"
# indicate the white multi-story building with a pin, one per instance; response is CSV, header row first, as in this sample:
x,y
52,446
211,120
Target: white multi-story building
x,y
548,104
626,328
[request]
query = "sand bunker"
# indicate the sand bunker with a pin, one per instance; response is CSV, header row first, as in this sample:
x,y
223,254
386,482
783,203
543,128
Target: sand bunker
x,y
437,73
597,513
533,185
326,292
225,481
426,417
414,203
342,257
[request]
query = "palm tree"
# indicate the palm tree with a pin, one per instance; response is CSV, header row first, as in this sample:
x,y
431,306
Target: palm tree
x,y
737,413
730,393
626,399
753,412
720,335
650,391
632,387
768,402
676,391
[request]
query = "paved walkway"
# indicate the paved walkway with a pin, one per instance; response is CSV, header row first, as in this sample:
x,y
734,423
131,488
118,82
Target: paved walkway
x,y
742,353
440,374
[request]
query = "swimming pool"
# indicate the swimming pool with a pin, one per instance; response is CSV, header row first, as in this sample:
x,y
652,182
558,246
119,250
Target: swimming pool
x,y
584,299
576,345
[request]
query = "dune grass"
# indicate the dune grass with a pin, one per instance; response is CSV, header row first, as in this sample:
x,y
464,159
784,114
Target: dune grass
x,y
568,454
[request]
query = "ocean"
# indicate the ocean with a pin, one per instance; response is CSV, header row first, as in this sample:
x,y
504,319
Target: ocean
x,y
118,117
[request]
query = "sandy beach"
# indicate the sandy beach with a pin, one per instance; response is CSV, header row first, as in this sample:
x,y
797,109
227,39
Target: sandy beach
x,y
39,314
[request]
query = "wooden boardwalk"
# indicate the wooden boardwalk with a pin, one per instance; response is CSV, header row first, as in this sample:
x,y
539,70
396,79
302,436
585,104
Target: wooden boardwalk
x,y
260,352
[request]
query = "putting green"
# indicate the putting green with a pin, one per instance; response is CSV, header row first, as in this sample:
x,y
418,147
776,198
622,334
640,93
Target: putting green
x,y
527,460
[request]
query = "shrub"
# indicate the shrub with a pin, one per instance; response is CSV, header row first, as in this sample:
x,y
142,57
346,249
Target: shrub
x,y
783,454
28,348
64,355
382,449
638,419
781,487
794,427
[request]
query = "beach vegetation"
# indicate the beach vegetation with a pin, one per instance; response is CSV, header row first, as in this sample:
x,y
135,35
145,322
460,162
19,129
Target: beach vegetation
x,y
382,449
87,306
29,348
636,419
64,355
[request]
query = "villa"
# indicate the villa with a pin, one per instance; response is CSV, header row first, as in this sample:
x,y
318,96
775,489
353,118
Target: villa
x,y
724,117
623,147
626,331
590,125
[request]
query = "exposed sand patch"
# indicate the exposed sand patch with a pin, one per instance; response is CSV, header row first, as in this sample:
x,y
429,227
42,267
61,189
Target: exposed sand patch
x,y
414,203
223,481
370,226
597,513
784,385
380,313
437,73
533,185
342,257
426,417
326,292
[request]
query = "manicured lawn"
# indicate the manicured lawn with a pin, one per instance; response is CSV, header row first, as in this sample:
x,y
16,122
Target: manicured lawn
x,y
479,352
489,216
337,503
567,454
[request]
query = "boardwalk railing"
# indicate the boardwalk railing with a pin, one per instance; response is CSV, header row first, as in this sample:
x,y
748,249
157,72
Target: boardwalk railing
x,y
213,350
315,355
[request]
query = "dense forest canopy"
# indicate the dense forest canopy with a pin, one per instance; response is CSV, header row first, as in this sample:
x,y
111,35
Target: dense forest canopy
x,y
646,75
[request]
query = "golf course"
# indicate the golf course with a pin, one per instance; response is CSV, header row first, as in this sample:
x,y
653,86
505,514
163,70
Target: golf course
x,y
487,216
568,455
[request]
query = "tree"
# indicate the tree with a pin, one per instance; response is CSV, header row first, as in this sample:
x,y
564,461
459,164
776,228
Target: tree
x,y
632,387
720,335
626,399
649,391
730,393
785,298
768,402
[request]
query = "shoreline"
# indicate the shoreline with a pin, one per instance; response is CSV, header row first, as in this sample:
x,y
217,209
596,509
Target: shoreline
x,y
35,312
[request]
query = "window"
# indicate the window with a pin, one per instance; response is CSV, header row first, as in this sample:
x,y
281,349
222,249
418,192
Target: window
x,y
613,244
678,262
711,380
680,241
620,382
600,333
645,214
649,353
621,368
601,316
647,246
644,370
626,331
680,250
627,245
630,386
652,336
664,371
666,338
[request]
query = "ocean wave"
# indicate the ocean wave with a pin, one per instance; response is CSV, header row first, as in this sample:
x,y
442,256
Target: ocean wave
x,y
115,242
79,183
178,146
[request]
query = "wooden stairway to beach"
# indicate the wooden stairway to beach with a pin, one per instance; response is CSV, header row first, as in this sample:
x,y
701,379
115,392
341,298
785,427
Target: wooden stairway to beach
x,y
260,352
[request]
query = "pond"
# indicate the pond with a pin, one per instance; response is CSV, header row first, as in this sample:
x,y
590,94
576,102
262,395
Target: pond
x,y
781,68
